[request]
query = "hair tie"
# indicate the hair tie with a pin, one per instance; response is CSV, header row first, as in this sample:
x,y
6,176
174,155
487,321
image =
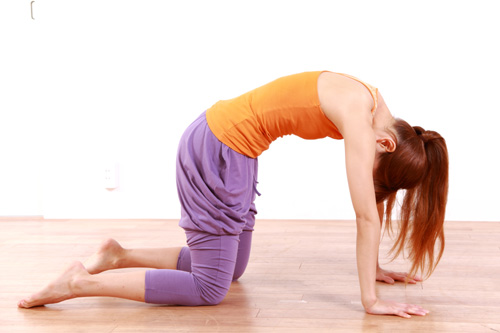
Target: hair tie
x,y
421,133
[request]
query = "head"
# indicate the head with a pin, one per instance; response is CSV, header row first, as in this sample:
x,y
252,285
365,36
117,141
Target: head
x,y
417,162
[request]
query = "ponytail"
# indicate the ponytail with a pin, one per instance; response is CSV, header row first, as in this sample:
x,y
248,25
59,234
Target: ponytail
x,y
419,165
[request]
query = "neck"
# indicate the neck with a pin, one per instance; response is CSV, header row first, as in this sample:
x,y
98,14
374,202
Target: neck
x,y
383,119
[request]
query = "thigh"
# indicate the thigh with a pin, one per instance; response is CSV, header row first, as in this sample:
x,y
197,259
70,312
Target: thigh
x,y
213,259
216,185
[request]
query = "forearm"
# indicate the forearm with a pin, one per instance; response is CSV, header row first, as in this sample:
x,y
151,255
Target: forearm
x,y
367,243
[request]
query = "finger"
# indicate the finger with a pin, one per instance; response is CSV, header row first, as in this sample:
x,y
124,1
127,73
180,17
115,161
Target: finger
x,y
416,310
400,276
403,277
403,314
413,279
410,309
387,279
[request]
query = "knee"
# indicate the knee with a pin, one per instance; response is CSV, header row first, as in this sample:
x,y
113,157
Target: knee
x,y
212,296
210,292
184,260
243,254
238,273
212,300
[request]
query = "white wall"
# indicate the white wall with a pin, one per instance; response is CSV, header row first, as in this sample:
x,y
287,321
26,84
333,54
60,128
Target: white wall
x,y
92,81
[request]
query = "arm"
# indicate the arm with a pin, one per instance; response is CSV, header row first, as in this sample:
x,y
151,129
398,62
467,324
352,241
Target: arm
x,y
347,104
360,154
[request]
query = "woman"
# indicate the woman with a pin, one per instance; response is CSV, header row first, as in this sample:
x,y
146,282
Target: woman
x,y
216,177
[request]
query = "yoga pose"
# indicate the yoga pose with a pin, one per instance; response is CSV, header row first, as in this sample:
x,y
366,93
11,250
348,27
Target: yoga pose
x,y
217,177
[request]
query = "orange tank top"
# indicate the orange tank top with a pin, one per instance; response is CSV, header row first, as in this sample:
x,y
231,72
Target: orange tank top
x,y
289,105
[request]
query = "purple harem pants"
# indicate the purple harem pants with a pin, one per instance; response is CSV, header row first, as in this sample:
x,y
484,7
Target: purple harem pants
x,y
217,188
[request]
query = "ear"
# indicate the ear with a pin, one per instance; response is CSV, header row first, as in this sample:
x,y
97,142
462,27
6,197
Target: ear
x,y
386,145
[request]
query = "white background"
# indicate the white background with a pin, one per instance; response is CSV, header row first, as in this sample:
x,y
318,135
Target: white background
x,y
94,82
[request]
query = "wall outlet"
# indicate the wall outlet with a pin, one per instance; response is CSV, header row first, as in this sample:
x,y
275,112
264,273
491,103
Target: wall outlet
x,y
111,176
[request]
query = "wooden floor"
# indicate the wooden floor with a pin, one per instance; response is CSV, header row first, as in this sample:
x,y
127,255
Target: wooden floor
x,y
301,278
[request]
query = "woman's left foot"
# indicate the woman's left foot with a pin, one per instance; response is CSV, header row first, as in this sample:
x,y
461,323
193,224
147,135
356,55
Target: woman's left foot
x,y
106,258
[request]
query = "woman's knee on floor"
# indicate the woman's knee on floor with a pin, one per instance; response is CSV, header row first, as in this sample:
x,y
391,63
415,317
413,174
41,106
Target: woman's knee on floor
x,y
244,247
239,269
211,293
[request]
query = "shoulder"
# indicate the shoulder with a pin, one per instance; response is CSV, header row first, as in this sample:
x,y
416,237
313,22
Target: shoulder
x,y
344,100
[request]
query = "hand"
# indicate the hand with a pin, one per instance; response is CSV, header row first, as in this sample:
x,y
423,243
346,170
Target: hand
x,y
381,307
389,276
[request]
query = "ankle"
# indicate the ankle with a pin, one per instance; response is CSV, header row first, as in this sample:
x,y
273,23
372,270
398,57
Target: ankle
x,y
120,260
79,285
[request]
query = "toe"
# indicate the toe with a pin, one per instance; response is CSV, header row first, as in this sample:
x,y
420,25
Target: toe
x,y
23,304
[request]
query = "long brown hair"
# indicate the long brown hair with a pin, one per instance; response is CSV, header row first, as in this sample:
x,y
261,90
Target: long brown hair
x,y
419,165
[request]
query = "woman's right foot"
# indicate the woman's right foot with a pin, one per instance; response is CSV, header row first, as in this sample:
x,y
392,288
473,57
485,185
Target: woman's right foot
x,y
107,257
58,290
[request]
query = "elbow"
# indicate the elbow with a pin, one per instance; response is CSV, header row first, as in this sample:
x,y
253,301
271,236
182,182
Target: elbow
x,y
366,219
364,223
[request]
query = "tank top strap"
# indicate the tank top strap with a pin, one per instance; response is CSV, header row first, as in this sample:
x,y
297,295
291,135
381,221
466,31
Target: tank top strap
x,y
373,90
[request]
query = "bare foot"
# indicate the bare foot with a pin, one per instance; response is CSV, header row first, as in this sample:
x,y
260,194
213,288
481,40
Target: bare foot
x,y
107,257
58,290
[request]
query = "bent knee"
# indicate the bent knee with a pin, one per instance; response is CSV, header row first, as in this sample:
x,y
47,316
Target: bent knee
x,y
211,293
237,275
211,300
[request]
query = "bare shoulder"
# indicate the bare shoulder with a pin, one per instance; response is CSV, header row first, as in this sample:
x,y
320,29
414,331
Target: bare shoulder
x,y
344,99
